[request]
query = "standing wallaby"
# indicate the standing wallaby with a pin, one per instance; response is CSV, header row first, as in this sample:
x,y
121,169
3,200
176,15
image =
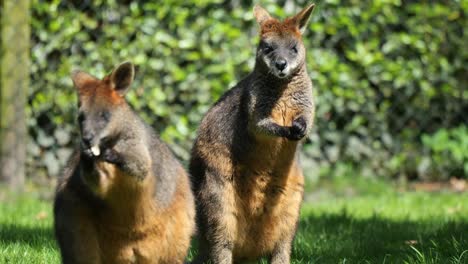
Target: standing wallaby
x,y
247,179
123,198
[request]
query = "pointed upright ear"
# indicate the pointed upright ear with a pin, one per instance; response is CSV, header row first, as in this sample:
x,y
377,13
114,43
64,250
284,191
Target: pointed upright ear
x,y
302,17
261,14
80,78
122,77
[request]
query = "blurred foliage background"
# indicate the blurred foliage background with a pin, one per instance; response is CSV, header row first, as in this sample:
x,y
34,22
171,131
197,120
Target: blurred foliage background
x,y
390,77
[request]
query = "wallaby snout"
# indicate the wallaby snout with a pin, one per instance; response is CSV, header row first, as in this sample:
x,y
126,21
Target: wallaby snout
x,y
281,64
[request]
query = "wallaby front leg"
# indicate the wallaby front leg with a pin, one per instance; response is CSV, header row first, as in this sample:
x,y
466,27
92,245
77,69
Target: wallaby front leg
x,y
269,127
134,160
294,132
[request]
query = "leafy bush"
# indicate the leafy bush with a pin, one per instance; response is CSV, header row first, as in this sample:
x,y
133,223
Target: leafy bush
x,y
385,72
447,151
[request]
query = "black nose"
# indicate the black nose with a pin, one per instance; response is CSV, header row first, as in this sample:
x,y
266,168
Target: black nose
x,y
281,64
87,137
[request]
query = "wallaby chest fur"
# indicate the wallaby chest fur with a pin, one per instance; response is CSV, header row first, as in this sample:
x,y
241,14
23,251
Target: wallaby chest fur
x,y
129,200
245,160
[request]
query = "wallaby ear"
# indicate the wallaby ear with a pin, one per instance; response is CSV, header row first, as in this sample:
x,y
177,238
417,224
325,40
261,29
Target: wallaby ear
x,y
122,77
302,17
261,14
80,78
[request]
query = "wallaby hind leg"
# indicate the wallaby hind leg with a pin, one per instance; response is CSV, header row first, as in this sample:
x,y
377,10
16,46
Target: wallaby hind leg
x,y
281,253
75,233
221,254
217,249
216,221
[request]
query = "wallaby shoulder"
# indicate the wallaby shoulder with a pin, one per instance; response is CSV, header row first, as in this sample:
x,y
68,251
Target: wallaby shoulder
x,y
226,120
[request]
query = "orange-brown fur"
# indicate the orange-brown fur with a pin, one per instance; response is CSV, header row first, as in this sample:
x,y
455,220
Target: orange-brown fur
x,y
276,27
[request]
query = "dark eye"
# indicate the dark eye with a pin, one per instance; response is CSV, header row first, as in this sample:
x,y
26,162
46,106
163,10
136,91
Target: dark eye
x,y
294,49
267,49
105,115
81,118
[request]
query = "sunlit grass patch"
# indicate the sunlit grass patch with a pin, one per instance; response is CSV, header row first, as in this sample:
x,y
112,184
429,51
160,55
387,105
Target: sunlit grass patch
x,y
391,227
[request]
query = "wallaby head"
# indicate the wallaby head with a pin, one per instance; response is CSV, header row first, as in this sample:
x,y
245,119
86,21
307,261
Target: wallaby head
x,y
102,105
281,51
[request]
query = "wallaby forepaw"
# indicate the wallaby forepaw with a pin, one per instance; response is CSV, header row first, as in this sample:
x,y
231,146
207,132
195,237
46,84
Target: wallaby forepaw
x,y
298,129
87,154
111,156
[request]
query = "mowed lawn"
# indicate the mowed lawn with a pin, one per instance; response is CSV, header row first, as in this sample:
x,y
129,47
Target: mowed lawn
x,y
388,227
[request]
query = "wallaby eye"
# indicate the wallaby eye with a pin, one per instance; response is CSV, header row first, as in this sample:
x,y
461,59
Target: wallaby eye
x,y
294,49
81,118
267,49
105,115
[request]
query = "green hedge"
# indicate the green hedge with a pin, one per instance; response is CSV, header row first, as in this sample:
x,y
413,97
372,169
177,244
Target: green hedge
x,y
386,74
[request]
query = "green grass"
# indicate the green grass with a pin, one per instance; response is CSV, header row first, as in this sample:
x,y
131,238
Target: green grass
x,y
26,231
386,227
389,228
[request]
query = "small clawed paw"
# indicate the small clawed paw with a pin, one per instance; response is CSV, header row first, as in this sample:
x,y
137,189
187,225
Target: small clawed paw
x,y
110,156
298,129
87,153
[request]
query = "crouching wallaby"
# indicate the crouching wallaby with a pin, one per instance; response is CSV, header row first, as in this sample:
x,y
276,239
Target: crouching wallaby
x,y
245,161
123,198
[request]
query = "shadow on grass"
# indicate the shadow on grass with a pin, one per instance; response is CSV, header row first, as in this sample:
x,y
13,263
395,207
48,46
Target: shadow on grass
x,y
37,237
332,238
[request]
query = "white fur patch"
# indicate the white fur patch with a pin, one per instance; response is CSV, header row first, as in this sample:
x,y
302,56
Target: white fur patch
x,y
95,150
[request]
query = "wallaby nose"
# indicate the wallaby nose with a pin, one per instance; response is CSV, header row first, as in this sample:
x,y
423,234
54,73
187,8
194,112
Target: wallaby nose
x,y
281,64
87,138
